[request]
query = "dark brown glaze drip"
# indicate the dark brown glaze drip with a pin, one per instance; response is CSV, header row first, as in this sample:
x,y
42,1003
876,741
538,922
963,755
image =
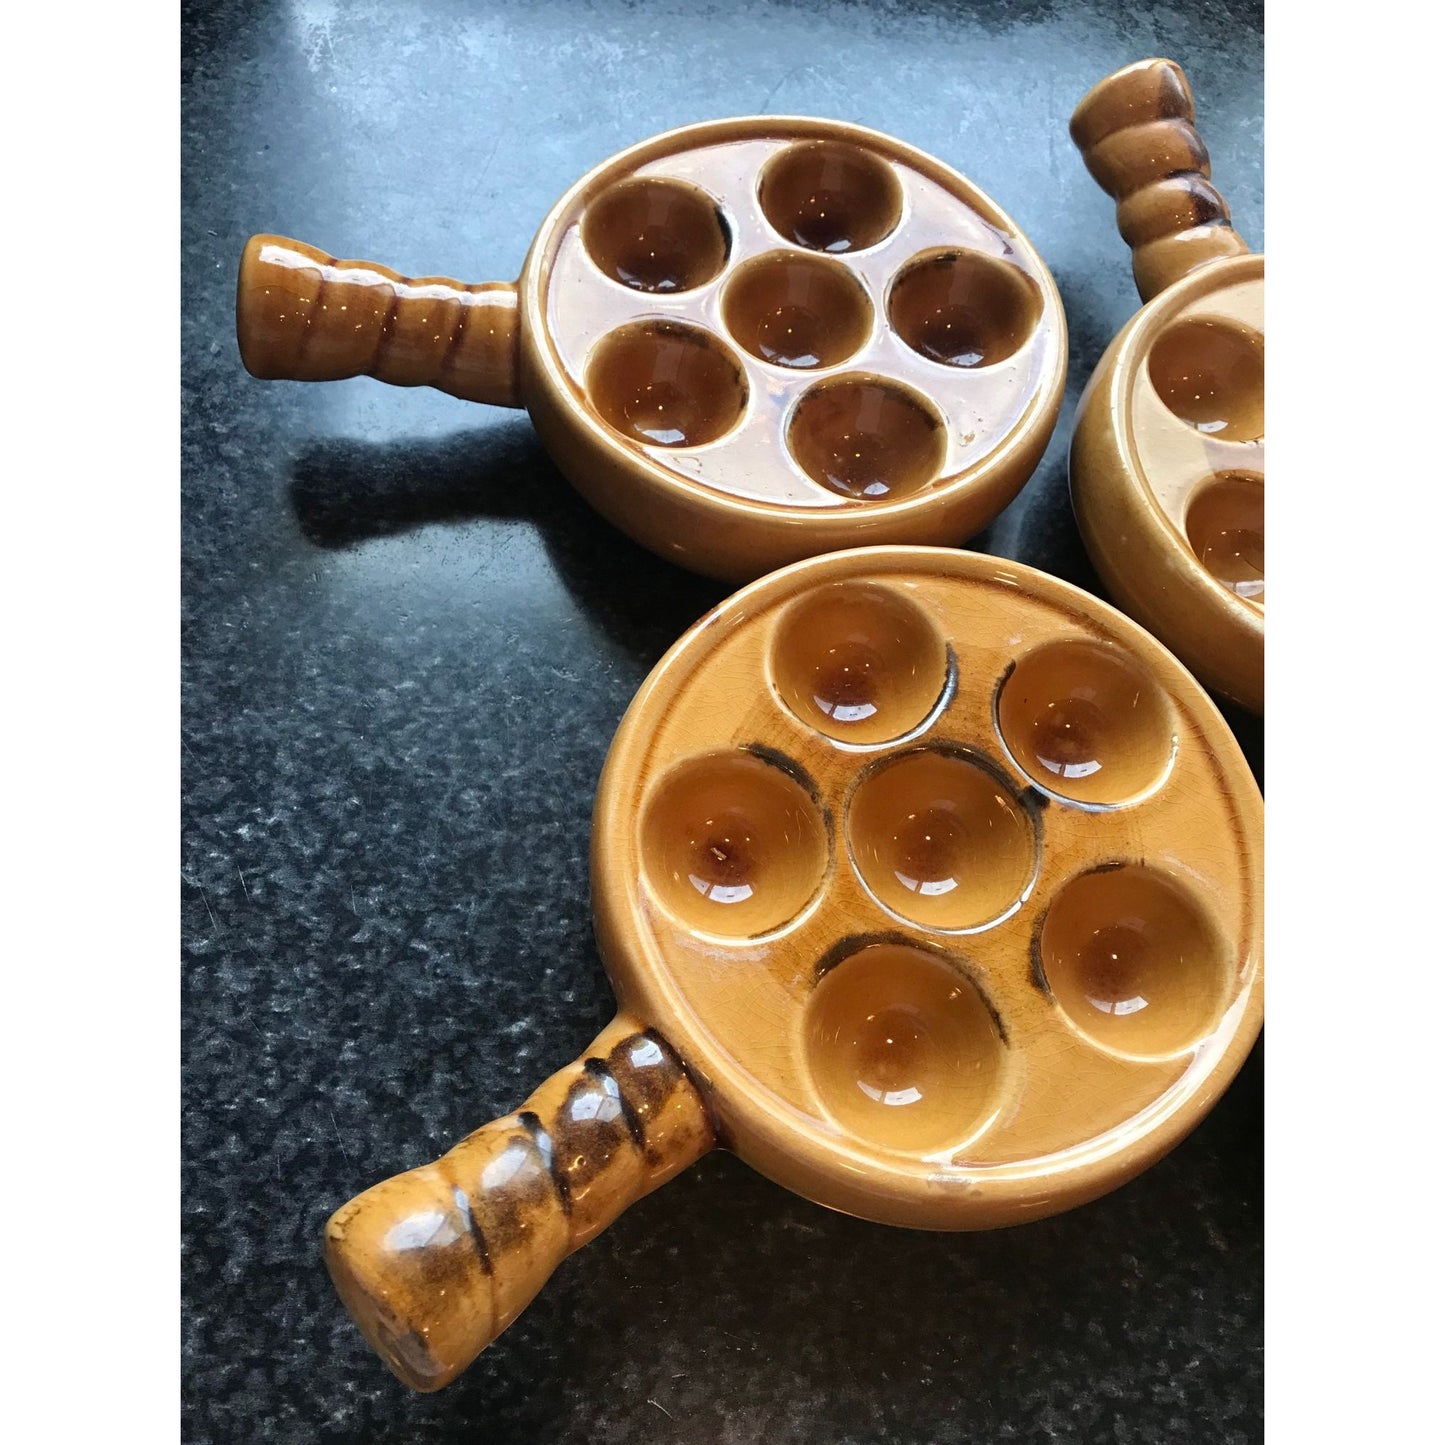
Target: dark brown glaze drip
x,y
434,1264
1037,974
786,765
1178,203
647,1087
588,1134
604,1076
542,1141
502,1216
612,1123
479,1240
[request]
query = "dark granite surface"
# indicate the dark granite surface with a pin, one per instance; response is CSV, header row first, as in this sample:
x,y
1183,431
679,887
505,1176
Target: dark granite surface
x,y
406,646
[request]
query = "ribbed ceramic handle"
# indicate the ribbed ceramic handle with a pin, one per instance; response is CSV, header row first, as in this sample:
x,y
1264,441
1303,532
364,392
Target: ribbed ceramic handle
x,y
436,1263
1136,132
305,316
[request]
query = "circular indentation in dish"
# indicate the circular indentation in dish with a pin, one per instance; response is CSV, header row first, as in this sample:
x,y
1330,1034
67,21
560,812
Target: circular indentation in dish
x,y
963,308
1134,961
732,845
1086,722
860,663
666,384
830,196
1210,374
655,235
902,1049
867,438
1225,526
941,841
795,310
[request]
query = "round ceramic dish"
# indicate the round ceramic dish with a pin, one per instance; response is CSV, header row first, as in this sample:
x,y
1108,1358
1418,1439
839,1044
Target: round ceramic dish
x,y
1167,463
745,342
929,885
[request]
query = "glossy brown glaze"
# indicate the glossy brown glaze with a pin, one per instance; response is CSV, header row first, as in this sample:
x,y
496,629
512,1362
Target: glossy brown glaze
x,y
1136,132
858,270
656,236
797,311
1167,462
964,308
867,437
929,885
687,301
434,1264
305,316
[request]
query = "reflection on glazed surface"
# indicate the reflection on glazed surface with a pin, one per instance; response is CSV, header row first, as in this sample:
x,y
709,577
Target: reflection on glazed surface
x,y
941,840
944,848
1195,417
830,196
866,438
733,845
797,311
902,1048
1065,738
1225,525
962,308
656,236
858,663
435,1263
799,244
667,384
1210,374
1086,723
1134,961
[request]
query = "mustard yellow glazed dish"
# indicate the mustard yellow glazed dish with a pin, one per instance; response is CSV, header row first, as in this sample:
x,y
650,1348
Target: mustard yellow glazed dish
x,y
929,885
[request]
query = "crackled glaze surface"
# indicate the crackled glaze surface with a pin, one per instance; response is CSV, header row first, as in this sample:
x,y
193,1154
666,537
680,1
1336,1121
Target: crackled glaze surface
x,y
1042,741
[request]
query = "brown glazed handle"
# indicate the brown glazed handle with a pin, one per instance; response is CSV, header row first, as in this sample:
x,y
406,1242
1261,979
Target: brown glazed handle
x,y
1136,131
305,316
436,1263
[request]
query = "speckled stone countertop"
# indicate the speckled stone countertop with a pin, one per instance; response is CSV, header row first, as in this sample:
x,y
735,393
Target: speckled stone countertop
x,y
406,646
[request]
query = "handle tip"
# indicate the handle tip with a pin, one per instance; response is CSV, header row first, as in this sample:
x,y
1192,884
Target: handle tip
x,y
1136,132
403,1284
273,296
1154,89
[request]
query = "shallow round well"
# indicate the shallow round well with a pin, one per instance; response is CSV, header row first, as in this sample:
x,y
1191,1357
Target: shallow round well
x,y
1225,527
903,1050
963,308
655,235
733,845
666,384
858,662
1134,961
941,841
798,311
830,196
1210,374
867,438
1086,722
